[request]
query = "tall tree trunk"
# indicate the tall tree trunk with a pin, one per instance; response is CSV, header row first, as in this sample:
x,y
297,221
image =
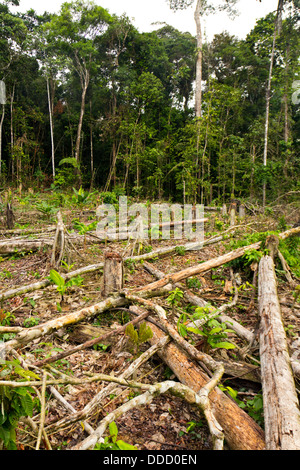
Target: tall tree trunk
x,y
268,93
198,91
91,141
12,132
1,126
84,76
82,108
50,105
252,173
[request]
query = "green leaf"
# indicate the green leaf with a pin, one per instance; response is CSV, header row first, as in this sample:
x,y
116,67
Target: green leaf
x,y
124,446
223,344
69,160
113,431
132,333
182,330
215,330
145,333
195,330
27,404
55,277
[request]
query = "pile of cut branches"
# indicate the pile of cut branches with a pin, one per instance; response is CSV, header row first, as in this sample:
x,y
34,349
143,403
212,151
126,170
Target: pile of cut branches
x,y
198,372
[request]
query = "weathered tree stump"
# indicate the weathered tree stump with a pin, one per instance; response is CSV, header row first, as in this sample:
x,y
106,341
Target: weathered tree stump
x,y
233,209
113,273
242,211
10,218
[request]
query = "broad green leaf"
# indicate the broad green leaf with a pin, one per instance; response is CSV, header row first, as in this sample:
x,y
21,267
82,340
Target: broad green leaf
x,y
124,446
195,330
224,345
55,277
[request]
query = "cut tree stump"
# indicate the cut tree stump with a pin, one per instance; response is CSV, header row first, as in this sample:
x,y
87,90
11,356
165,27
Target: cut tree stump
x,y
281,407
10,218
113,273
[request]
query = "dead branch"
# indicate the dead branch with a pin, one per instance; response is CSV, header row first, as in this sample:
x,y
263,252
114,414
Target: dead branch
x,y
152,391
46,282
30,334
287,270
70,408
109,389
214,263
90,343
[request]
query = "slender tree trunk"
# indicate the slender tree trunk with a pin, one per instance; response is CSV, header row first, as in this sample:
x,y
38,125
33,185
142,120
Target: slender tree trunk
x,y
12,131
252,173
91,141
50,105
82,108
268,93
84,76
198,92
286,115
1,126
198,89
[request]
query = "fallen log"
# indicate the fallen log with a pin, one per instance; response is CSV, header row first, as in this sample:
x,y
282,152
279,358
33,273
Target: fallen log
x,y
94,267
281,407
241,432
28,230
30,334
201,268
9,247
213,263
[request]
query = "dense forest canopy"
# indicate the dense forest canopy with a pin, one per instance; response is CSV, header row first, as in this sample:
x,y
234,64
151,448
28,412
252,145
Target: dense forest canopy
x,y
91,100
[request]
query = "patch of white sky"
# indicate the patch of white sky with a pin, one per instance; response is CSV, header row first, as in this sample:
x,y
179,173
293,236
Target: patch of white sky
x,y
147,16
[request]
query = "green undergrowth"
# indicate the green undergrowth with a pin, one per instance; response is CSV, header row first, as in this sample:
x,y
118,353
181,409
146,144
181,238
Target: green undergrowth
x,y
290,249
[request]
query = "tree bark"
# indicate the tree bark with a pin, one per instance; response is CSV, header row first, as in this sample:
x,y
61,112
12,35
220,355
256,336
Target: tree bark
x,y
281,407
112,273
1,125
50,106
198,92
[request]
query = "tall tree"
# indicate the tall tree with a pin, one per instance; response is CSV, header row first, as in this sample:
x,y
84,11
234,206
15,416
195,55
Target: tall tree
x,y
268,92
73,34
203,7
12,35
